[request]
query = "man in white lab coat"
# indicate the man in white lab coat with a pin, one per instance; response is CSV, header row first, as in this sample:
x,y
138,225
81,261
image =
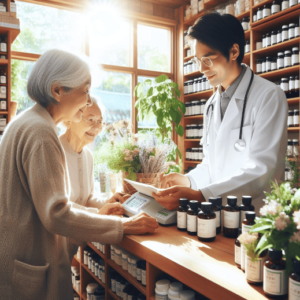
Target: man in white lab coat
x,y
219,50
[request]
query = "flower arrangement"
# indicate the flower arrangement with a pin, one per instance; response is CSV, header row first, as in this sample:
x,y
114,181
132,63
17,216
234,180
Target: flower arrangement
x,y
279,223
133,154
249,241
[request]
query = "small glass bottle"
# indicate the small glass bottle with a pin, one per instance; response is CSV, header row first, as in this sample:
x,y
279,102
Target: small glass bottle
x,y
287,58
296,30
247,47
295,147
3,44
291,31
248,222
268,39
279,36
296,118
263,65
245,206
275,283
264,41
217,210
258,66
280,60
268,63
144,273
266,11
289,151
295,56
258,45
294,281
274,64
259,14
293,2
206,223
231,218
285,33
273,37
296,86
275,8
182,214
285,4
245,24
192,217
292,85
290,121
237,250
2,76
284,84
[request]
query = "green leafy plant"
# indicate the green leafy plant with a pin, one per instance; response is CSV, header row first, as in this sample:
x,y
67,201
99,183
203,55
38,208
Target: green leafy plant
x,y
159,98
279,223
249,241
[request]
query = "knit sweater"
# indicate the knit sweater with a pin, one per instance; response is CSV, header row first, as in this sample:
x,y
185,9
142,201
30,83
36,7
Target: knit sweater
x,y
36,216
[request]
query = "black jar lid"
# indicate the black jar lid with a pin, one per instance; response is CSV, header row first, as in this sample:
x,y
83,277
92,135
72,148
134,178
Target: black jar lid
x,y
268,34
246,200
183,201
279,31
274,32
206,207
194,205
213,200
250,215
275,254
296,266
231,200
219,200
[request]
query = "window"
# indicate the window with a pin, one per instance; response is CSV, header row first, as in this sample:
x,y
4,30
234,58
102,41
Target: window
x,y
154,48
66,29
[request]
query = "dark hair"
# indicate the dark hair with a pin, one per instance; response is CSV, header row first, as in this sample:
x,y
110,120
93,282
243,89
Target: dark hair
x,y
219,32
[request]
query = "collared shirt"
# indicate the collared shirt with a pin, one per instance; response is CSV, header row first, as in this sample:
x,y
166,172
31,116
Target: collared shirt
x,y
229,92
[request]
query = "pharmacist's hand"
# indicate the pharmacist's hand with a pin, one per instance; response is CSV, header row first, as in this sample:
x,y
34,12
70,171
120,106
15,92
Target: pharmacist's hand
x,y
115,209
169,198
173,179
118,197
140,224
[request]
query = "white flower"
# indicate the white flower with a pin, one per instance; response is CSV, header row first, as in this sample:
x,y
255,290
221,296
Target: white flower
x,y
280,224
296,216
295,237
246,238
273,208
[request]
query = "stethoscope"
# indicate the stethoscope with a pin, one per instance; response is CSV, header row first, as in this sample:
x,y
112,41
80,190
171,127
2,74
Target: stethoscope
x,y
240,144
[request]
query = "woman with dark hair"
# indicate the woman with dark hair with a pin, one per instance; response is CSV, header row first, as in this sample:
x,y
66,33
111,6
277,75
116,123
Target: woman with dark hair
x,y
245,136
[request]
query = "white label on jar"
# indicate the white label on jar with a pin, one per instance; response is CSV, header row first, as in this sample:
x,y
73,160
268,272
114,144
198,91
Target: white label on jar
x,y
293,2
254,269
160,297
275,8
274,39
274,66
247,48
275,281
297,84
284,86
258,45
266,12
285,35
259,15
206,228
290,122
268,66
291,33
263,67
144,277
243,257
246,228
287,61
268,41
218,218
113,285
139,274
237,254
280,63
284,5
296,31
291,84
258,68
181,219
231,219
279,38
3,47
3,92
3,79
296,120
294,289
191,223
295,59
3,105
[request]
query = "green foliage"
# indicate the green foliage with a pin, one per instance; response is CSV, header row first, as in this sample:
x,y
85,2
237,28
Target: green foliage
x,y
159,98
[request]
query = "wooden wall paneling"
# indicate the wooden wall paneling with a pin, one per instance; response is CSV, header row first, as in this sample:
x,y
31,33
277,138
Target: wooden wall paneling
x,y
163,11
134,5
147,8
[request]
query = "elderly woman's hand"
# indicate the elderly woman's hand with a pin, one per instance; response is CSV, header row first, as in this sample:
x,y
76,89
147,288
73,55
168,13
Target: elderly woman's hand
x,y
140,224
118,197
115,209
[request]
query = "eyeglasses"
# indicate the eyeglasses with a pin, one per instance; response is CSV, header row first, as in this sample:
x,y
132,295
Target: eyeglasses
x,y
205,60
93,122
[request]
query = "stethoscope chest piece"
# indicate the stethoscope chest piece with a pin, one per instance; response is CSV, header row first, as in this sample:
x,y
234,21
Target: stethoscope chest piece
x,y
240,145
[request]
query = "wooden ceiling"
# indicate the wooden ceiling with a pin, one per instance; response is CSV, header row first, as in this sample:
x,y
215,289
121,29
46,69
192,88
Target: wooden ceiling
x,y
169,3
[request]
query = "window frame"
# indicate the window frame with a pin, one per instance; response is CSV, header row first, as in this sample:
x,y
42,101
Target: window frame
x,y
135,19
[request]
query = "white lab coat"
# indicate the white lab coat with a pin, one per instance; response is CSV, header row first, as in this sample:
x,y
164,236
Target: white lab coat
x,y
226,172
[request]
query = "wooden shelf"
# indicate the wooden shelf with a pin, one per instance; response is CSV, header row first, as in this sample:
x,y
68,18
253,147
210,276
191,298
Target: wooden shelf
x,y
275,48
96,250
188,58
242,15
192,140
200,117
186,47
193,74
293,129
93,275
112,294
192,162
127,276
204,94
4,61
3,113
83,295
293,101
281,72
75,257
13,32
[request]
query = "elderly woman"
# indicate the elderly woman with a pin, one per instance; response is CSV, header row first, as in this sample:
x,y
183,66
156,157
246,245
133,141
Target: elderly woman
x,y
36,214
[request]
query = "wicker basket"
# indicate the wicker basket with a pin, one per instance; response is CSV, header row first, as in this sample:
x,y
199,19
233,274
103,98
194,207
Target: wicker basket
x,y
147,178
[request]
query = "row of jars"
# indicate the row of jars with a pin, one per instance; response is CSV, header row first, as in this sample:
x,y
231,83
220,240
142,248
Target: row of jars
x,y
246,23
196,85
233,7
293,118
276,6
194,108
94,263
99,246
75,276
129,262
290,84
94,291
194,131
284,59
292,147
195,154
123,289
288,32
190,67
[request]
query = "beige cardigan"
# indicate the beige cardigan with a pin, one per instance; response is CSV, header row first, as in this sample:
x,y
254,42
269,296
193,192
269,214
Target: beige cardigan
x,y
36,215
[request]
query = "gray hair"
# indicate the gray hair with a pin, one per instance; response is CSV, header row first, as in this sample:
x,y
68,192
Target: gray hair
x,y
56,67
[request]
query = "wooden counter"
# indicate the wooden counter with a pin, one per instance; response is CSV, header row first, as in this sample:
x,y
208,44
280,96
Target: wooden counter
x,y
208,268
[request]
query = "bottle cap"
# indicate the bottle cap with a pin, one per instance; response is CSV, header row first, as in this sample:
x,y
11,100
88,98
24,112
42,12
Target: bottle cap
x,y
296,266
162,285
206,206
194,205
187,295
91,287
250,215
213,200
247,200
183,202
231,200
175,289
219,200
275,254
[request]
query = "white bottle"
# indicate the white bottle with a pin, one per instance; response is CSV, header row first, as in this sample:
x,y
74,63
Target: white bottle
x,y
174,290
161,289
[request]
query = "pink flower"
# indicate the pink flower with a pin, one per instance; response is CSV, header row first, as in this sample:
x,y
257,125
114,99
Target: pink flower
x,y
296,216
295,237
273,208
280,224
247,238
